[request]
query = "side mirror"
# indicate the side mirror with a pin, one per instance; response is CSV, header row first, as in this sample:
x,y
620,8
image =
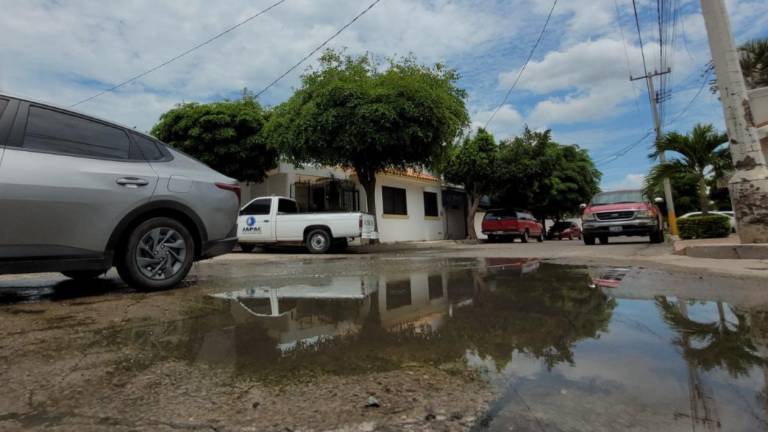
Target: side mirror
x,y
582,206
658,200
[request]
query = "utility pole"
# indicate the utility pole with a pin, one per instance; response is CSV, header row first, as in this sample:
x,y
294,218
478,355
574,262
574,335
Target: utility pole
x,y
749,183
655,99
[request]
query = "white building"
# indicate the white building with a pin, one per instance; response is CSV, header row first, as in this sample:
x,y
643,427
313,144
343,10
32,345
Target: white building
x,y
409,204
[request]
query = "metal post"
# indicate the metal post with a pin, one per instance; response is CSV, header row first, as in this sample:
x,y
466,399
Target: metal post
x,y
671,216
749,183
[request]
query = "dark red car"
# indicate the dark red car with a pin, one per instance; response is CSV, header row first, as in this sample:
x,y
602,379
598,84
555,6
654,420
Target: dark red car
x,y
511,224
564,230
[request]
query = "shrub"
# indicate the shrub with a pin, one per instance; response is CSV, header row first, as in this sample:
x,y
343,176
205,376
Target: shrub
x,y
704,226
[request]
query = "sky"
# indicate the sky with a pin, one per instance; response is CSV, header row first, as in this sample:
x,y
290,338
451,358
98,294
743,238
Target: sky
x,y
576,84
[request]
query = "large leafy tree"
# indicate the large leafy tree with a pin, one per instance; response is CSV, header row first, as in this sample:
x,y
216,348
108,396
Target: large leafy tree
x,y
685,189
350,112
548,178
473,164
225,135
698,154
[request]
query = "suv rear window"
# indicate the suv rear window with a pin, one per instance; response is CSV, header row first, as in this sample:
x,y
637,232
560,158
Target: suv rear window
x,y
501,214
58,132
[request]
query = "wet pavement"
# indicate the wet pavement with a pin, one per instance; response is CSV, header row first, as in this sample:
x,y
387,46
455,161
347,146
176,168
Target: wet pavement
x,y
367,343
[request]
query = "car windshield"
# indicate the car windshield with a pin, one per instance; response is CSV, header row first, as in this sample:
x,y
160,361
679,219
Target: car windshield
x,y
618,197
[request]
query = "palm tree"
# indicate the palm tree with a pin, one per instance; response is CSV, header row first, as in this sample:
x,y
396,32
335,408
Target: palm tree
x,y
753,56
697,155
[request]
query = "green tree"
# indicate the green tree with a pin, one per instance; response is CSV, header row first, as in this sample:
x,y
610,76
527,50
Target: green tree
x,y
548,178
753,56
697,155
351,113
685,189
472,164
225,135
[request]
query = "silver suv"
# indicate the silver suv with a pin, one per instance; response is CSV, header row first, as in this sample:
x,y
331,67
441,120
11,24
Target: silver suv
x,y
79,195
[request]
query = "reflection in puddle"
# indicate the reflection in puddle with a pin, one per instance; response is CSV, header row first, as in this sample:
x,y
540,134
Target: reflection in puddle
x,y
567,350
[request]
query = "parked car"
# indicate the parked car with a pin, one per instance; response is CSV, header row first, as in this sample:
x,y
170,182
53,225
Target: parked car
x,y
80,195
729,214
564,230
621,213
277,220
511,224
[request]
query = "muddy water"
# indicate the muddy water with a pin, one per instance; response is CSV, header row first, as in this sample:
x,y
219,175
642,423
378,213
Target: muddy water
x,y
564,347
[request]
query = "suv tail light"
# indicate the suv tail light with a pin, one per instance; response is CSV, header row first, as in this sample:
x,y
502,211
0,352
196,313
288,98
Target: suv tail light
x,y
234,187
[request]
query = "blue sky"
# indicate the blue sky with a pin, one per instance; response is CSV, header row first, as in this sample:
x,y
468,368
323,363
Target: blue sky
x,y
576,84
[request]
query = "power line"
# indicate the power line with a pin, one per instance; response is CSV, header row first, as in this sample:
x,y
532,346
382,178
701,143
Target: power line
x,y
640,38
520,74
626,54
319,47
696,96
173,59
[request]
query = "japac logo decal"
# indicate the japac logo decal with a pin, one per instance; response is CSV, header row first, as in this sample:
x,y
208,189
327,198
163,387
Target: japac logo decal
x,y
250,225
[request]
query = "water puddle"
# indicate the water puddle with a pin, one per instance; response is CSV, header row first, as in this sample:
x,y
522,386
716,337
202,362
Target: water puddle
x,y
567,348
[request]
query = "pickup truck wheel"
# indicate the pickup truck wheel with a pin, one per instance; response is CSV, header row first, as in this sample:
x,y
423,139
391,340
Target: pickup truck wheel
x,y
589,240
318,241
158,255
657,236
603,239
247,247
524,237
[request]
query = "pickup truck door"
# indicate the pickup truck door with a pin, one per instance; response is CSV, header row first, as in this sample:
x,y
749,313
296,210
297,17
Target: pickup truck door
x,y
254,224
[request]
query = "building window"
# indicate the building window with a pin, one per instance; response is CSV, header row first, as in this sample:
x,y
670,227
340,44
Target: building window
x,y
435,286
430,204
394,200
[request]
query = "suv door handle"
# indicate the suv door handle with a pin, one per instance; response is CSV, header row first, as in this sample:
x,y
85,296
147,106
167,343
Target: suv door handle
x,y
133,182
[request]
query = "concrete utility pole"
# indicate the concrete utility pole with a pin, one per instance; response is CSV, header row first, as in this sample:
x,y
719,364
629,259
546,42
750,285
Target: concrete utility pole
x,y
671,217
749,184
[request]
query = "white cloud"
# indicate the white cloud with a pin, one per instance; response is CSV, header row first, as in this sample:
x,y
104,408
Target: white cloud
x,y
62,52
630,181
507,123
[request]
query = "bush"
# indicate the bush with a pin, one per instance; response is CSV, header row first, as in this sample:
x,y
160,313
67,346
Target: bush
x,y
704,226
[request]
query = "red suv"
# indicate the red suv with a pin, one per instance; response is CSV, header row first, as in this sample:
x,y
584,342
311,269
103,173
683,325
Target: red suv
x,y
621,213
511,224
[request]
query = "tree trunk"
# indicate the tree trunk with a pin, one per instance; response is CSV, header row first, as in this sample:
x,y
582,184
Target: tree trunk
x,y
703,196
474,203
368,181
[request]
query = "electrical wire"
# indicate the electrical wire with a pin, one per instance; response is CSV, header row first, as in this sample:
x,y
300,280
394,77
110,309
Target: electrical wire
x,y
522,69
626,55
314,51
173,59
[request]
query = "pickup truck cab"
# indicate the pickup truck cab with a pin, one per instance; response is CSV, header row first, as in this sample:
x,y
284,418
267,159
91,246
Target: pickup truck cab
x,y
511,224
277,220
621,213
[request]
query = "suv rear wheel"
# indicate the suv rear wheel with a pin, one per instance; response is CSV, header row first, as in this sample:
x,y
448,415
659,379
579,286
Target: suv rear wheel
x,y
158,254
524,237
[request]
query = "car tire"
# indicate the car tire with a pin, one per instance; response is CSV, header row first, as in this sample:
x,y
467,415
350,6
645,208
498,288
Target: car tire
x,y
318,241
603,240
589,240
570,237
540,238
247,247
83,274
524,237
158,255
657,236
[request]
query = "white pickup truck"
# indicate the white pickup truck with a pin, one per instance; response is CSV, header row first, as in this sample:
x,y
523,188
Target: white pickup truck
x,y
277,220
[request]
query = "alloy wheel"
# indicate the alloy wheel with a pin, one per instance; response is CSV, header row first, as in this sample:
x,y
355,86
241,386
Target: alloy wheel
x,y
161,253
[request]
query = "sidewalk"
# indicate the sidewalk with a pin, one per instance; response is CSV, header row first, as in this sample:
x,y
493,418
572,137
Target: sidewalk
x,y
720,248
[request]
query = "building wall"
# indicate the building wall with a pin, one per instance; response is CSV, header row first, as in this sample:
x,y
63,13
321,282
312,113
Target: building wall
x,y
414,226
